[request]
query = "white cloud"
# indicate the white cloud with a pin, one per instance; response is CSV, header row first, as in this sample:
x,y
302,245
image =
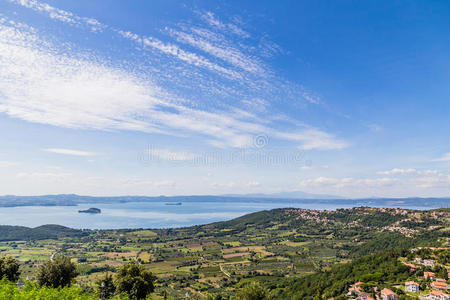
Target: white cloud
x,y
230,184
410,171
316,139
374,127
44,176
422,183
188,57
147,183
169,155
309,168
69,152
5,163
347,182
253,184
61,15
445,157
78,90
211,20
220,50
397,171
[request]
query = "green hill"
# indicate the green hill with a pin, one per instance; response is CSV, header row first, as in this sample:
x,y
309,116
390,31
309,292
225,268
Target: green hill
x,y
15,233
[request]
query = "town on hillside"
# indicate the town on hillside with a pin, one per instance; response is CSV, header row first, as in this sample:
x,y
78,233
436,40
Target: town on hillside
x,y
429,278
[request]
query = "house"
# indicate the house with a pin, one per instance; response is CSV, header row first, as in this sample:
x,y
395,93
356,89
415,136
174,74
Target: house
x,y
411,286
364,296
355,289
425,262
387,294
438,295
428,262
439,285
429,275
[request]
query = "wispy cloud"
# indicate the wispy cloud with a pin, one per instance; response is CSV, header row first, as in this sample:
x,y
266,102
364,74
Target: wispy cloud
x,y
62,15
225,52
347,182
170,155
69,152
44,176
418,181
212,20
179,53
396,171
445,157
47,83
149,183
410,171
5,163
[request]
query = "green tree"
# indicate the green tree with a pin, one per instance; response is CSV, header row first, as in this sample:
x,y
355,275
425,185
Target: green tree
x,y
106,287
9,268
253,291
134,280
58,272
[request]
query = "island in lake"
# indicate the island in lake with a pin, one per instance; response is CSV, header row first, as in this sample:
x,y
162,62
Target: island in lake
x,y
91,210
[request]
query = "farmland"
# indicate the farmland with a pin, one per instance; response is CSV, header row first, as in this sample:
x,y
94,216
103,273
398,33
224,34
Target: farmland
x,y
273,247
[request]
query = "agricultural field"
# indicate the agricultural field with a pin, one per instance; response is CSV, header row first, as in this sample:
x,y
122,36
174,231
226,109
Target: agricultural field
x,y
272,247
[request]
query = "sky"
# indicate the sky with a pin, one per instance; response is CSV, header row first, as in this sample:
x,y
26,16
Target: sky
x,y
348,98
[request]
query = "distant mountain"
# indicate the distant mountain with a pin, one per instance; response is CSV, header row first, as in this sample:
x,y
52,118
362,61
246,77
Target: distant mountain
x,y
295,197
287,195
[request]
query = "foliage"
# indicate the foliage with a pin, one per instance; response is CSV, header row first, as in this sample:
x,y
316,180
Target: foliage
x,y
133,280
253,291
106,287
381,267
14,233
58,272
9,268
31,291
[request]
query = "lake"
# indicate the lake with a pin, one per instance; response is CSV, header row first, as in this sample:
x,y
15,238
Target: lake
x,y
148,214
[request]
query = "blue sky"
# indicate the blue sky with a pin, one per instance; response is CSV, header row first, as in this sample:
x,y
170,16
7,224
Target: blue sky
x,y
349,98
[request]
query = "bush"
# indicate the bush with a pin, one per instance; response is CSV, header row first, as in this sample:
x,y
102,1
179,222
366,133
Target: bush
x,y
58,272
31,291
106,287
9,268
133,280
253,291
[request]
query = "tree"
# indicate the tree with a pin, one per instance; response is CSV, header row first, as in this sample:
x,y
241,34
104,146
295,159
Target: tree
x,y
253,291
106,287
58,272
9,268
134,280
442,273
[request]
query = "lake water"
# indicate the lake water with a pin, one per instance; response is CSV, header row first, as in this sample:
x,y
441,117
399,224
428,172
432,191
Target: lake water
x,y
147,214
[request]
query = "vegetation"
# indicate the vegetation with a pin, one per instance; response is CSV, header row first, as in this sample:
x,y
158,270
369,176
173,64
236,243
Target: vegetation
x,y
253,291
31,291
374,270
133,280
105,287
58,272
14,233
9,269
281,254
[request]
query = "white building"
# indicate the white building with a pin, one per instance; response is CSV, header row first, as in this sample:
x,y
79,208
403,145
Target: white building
x,y
411,286
438,295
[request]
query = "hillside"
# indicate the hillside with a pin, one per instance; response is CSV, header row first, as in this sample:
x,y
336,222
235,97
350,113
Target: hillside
x,y
292,252
15,233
